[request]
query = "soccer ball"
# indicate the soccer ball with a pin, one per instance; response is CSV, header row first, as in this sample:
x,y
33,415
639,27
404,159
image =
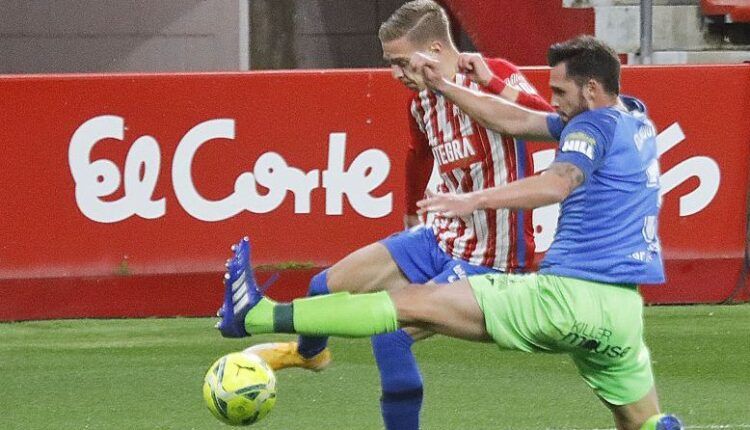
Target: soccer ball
x,y
240,389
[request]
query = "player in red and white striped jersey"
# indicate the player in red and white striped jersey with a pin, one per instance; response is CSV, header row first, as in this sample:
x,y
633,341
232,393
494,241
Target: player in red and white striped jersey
x,y
469,158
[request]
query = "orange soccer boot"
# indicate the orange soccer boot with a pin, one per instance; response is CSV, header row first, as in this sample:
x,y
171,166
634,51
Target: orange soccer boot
x,y
281,355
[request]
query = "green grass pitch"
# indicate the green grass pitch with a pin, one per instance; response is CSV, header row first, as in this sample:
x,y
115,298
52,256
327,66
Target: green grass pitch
x,y
147,374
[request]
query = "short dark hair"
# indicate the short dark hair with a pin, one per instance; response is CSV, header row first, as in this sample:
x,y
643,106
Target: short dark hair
x,y
419,20
585,58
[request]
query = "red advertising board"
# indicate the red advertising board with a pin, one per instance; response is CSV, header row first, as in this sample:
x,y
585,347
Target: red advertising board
x,y
144,180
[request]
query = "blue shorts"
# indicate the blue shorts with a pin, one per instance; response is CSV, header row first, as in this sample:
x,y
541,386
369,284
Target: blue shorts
x,y
417,254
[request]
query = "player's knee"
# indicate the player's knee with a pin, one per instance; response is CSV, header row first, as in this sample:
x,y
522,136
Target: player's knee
x,y
414,304
348,277
337,279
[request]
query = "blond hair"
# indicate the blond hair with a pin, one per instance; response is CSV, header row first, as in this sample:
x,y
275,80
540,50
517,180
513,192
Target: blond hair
x,y
420,20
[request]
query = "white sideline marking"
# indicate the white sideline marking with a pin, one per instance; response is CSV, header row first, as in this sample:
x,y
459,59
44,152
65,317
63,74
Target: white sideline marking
x,y
698,427
721,426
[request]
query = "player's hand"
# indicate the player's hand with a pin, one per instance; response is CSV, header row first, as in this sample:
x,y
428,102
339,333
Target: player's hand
x,y
411,221
472,64
448,204
429,69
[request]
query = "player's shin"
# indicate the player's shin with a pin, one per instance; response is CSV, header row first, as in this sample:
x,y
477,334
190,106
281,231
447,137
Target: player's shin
x,y
310,346
400,380
340,314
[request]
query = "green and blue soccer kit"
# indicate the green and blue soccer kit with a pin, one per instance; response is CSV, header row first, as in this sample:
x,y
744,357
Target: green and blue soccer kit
x,y
584,299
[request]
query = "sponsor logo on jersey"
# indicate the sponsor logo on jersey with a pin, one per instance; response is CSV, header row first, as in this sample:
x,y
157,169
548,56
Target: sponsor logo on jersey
x,y
579,142
456,154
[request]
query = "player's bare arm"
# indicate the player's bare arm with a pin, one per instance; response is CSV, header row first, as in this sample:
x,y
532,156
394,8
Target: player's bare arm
x,y
571,176
490,111
552,186
474,66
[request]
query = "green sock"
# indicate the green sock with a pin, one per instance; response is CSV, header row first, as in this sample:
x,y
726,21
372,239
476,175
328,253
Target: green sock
x,y
260,317
345,315
340,314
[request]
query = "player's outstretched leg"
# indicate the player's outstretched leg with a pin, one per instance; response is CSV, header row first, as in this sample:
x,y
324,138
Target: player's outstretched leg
x,y
245,310
311,353
449,309
339,314
367,269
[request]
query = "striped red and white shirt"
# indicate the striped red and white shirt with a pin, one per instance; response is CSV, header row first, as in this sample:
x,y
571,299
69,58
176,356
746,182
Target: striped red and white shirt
x,y
469,158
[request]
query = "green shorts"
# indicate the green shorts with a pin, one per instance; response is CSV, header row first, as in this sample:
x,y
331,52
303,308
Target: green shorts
x,y
599,325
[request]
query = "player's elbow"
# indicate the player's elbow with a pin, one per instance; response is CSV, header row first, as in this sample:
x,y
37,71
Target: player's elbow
x,y
557,189
559,194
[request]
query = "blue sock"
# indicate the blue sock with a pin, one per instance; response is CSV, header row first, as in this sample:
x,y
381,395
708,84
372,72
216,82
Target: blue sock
x,y
400,380
310,346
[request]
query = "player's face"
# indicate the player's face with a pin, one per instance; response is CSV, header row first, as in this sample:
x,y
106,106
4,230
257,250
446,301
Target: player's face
x,y
567,96
396,54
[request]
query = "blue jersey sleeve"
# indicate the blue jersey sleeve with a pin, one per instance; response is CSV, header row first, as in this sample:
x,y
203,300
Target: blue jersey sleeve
x,y
555,125
584,141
